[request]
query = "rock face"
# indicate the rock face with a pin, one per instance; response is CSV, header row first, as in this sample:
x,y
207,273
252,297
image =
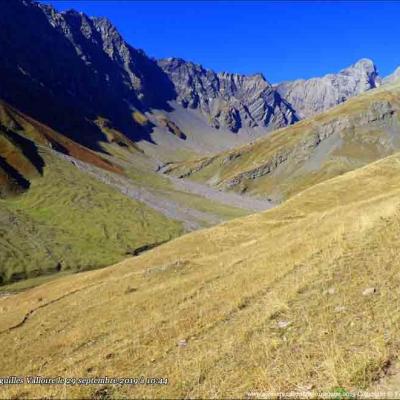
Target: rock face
x,y
229,100
67,64
67,70
309,97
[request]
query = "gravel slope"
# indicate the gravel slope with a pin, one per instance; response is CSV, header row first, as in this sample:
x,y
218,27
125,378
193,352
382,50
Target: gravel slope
x,y
191,218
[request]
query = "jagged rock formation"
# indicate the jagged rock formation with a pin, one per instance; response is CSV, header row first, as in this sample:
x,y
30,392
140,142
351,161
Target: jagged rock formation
x,y
229,100
67,69
311,96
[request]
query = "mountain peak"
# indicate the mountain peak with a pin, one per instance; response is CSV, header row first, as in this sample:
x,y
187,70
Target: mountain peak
x,y
311,96
364,63
363,66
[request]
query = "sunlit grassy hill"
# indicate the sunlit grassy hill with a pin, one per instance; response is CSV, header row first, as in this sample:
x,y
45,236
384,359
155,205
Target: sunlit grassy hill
x,y
56,218
363,129
305,295
68,221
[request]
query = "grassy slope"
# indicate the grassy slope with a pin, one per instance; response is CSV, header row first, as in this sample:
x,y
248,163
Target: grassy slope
x,y
226,290
68,219
19,123
308,152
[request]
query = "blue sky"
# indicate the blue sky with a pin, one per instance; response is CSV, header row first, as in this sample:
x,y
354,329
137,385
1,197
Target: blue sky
x,y
282,39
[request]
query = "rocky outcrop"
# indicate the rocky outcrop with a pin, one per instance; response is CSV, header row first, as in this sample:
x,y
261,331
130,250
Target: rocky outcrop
x,y
228,100
309,97
171,126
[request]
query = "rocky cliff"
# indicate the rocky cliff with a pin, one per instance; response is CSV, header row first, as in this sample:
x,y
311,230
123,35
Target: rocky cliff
x,y
229,100
67,69
311,96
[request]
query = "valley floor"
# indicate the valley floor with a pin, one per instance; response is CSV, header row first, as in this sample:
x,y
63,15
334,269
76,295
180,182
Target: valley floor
x,y
164,202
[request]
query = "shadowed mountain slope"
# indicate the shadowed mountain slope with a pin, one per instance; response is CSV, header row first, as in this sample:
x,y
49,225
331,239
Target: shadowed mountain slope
x,y
19,137
19,161
90,72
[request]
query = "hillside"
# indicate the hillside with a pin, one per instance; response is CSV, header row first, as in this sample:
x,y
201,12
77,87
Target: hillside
x,y
20,135
68,222
54,217
277,166
65,208
301,297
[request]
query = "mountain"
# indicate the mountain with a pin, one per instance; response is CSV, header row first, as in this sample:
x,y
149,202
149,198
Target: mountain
x,y
229,100
278,301
312,96
238,101
55,217
348,136
111,114
90,72
93,75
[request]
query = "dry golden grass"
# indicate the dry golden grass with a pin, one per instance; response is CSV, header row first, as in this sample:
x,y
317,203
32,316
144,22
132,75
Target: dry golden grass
x,y
225,291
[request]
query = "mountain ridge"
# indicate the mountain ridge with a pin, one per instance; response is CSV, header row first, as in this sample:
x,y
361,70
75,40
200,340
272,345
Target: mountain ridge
x,y
119,80
311,96
353,133
232,100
